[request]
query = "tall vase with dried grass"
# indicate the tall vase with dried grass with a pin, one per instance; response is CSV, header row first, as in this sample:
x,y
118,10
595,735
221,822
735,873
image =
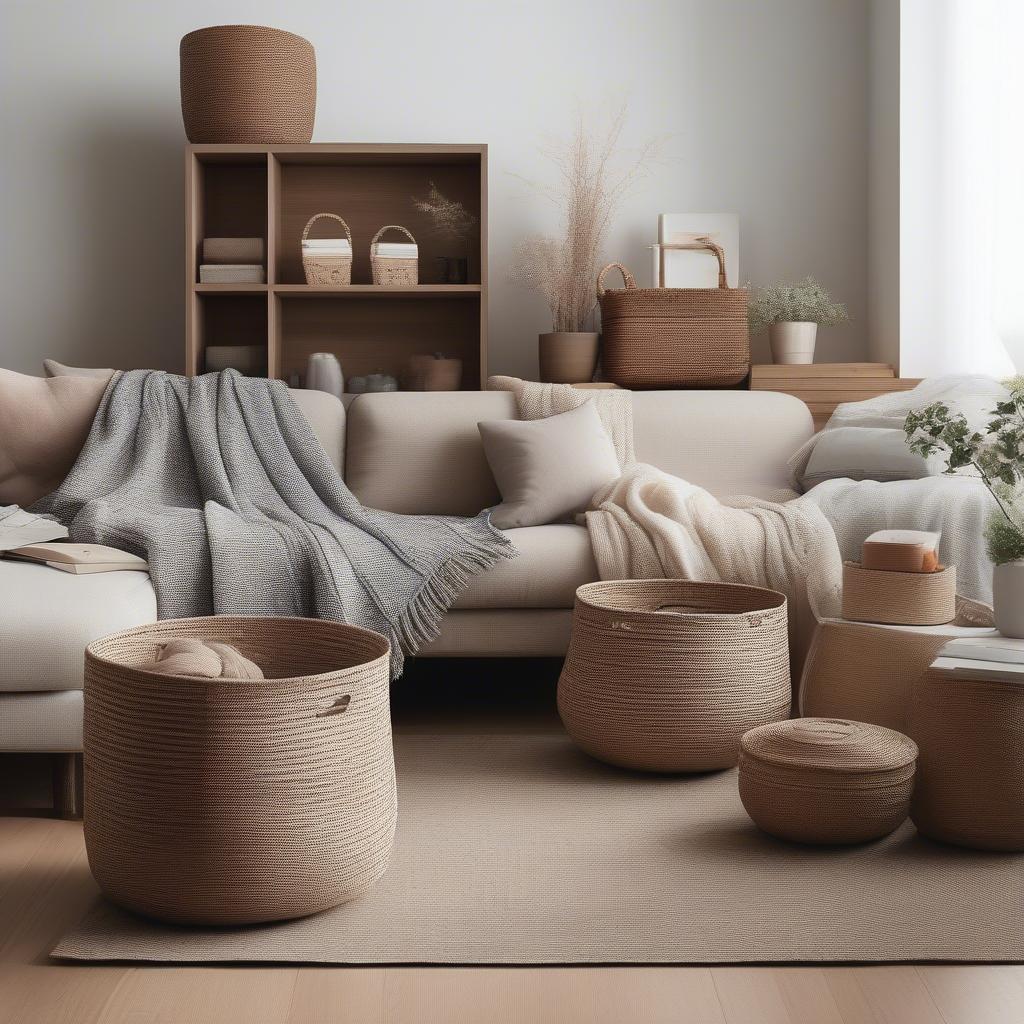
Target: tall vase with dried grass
x,y
593,180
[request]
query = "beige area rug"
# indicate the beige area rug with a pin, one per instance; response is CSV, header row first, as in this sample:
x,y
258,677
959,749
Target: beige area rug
x,y
519,849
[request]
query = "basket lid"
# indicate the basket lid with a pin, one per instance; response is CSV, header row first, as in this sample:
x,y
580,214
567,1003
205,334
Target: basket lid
x,y
833,744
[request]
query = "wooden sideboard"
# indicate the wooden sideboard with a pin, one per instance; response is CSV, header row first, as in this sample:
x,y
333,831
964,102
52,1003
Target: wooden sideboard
x,y
823,386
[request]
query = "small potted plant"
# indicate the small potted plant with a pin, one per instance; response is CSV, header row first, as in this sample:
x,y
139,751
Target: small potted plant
x,y
452,223
791,313
998,458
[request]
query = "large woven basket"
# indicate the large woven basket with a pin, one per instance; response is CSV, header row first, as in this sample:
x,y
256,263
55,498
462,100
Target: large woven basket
x,y
970,783
826,780
674,337
396,273
899,598
323,269
667,675
247,84
230,801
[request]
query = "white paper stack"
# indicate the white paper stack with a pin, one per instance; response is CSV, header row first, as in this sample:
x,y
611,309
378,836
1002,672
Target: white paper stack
x,y
327,246
996,658
397,250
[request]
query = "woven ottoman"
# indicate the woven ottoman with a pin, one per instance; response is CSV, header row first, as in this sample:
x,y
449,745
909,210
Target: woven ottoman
x,y
235,801
826,780
667,675
970,782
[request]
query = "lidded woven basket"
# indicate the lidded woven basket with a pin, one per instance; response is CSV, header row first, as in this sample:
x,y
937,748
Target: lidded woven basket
x,y
826,780
674,337
395,272
899,598
227,801
667,675
247,84
970,781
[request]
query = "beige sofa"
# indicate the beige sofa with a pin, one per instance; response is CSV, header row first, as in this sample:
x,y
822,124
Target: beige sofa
x,y
414,453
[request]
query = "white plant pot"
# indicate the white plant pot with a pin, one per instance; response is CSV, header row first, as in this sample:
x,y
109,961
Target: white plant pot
x,y
793,343
1008,598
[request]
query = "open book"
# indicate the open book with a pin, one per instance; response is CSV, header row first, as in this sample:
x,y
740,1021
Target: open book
x,y
18,528
80,558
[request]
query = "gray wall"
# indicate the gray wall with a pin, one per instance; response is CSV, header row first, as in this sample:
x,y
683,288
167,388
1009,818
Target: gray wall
x,y
764,103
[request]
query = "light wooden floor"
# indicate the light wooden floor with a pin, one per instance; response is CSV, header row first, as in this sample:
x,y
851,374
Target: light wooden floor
x,y
45,886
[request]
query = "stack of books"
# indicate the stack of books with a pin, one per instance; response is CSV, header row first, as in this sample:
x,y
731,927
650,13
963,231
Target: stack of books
x,y
995,658
233,261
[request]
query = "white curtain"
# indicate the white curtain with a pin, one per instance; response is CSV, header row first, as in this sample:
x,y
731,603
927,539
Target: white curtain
x,y
961,187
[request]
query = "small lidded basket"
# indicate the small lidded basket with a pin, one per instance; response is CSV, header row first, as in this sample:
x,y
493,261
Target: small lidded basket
x,y
899,598
395,263
327,261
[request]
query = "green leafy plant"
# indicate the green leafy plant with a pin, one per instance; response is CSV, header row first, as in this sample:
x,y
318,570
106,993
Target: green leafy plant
x,y
997,455
794,303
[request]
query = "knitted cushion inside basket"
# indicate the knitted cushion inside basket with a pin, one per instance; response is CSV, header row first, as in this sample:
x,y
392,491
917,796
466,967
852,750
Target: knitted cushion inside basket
x,y
207,658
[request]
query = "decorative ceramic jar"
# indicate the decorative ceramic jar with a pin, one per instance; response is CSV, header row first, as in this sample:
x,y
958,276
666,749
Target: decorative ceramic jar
x,y
793,343
434,373
1008,598
323,373
568,357
247,84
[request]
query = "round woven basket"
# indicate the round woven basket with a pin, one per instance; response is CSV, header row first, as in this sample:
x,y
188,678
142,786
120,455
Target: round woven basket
x,y
826,780
970,782
247,84
899,598
667,675
866,672
226,801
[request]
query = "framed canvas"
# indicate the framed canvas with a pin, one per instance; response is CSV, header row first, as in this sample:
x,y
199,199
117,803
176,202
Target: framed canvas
x,y
696,269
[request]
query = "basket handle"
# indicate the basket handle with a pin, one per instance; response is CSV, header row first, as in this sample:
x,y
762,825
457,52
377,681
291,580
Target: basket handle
x,y
332,216
339,707
627,278
390,227
703,242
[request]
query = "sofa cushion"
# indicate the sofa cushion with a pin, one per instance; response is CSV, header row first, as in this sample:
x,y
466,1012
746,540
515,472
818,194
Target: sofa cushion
x,y
48,617
553,561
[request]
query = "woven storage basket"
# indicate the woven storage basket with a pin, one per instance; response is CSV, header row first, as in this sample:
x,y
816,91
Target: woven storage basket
x,y
325,269
970,782
225,801
399,273
826,780
899,598
674,337
247,84
667,675
866,672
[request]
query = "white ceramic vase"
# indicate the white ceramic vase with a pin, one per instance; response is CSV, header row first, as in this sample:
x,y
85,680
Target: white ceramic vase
x,y
793,343
1008,598
323,373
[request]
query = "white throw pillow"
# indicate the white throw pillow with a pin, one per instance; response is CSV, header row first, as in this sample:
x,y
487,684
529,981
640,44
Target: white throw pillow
x,y
865,453
547,470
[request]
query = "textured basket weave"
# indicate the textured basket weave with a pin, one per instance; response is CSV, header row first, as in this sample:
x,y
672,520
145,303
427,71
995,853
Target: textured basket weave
x,y
674,337
247,84
899,598
667,675
238,801
398,273
865,672
970,783
826,780
325,269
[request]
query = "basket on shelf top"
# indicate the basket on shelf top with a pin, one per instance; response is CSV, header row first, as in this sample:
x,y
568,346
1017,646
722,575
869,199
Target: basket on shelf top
x,y
327,261
395,263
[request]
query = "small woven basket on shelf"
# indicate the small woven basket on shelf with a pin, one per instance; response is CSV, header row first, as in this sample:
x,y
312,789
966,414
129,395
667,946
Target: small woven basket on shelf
x,y
826,780
899,598
325,269
235,801
970,779
388,270
674,337
667,675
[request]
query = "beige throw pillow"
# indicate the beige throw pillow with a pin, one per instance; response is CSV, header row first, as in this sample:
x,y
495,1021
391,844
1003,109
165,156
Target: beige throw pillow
x,y
43,424
55,369
549,469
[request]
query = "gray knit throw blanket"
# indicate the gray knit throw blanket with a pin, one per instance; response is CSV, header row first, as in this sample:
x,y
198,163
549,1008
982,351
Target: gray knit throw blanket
x,y
219,482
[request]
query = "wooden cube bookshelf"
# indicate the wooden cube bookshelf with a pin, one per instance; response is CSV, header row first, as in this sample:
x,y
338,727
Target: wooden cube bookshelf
x,y
271,192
